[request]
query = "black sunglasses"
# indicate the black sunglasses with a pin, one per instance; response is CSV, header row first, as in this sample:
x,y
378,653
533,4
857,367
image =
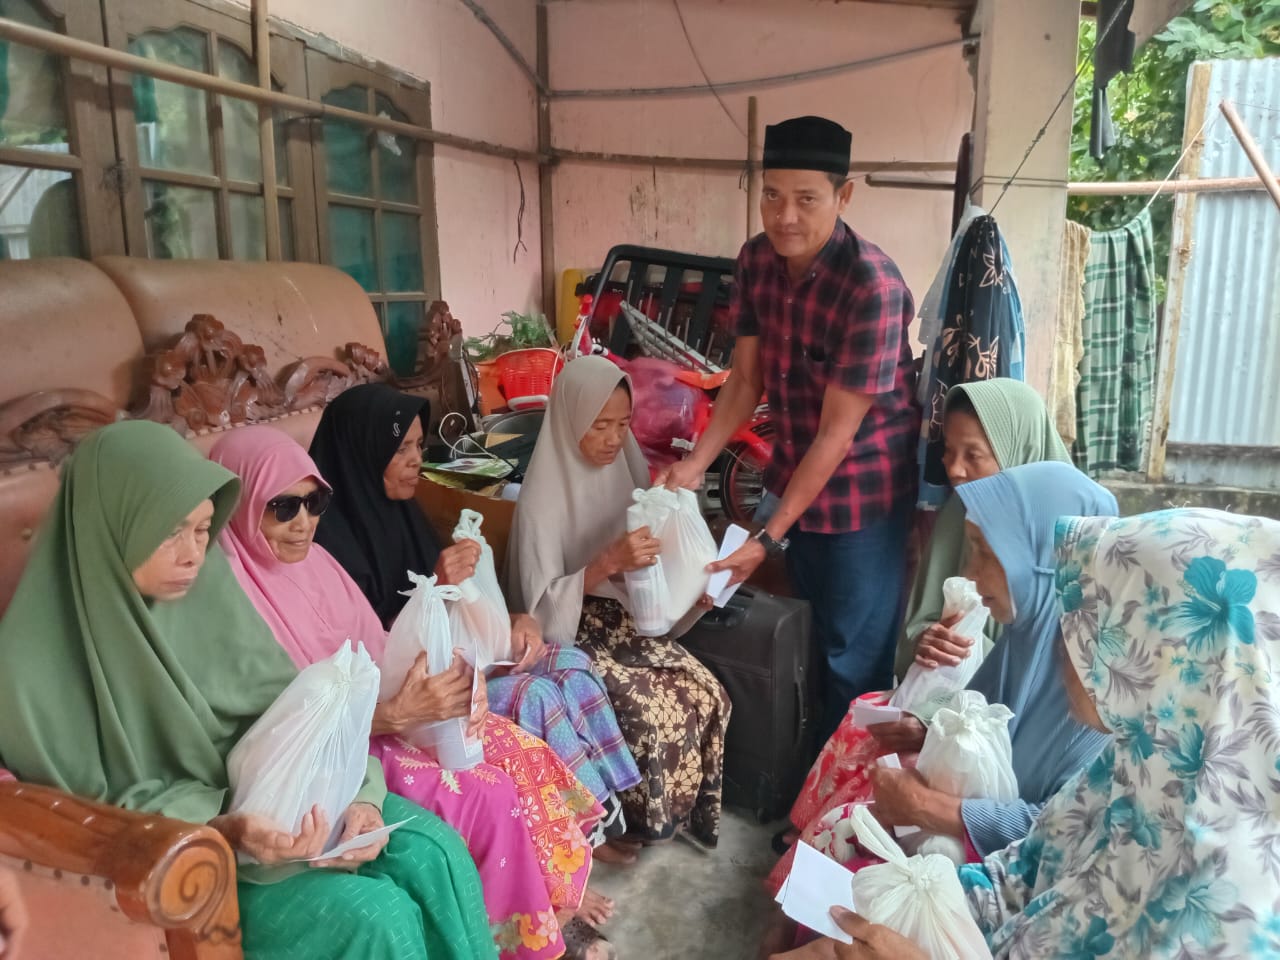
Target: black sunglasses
x,y
286,508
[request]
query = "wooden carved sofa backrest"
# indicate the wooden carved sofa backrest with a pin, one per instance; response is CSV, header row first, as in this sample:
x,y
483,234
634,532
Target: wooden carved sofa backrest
x,y
201,345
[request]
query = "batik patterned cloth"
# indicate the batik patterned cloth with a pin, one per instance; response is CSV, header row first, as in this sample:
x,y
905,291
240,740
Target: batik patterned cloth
x,y
673,712
1168,846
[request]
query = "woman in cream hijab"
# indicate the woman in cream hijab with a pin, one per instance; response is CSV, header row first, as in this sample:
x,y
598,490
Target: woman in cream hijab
x,y
568,551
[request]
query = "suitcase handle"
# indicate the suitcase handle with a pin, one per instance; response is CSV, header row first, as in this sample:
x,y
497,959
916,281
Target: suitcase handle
x,y
731,615
802,714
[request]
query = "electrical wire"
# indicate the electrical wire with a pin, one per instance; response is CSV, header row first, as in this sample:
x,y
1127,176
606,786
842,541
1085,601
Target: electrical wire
x,y
703,70
1035,141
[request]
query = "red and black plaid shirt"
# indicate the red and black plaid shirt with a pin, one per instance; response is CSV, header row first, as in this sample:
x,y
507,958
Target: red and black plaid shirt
x,y
844,324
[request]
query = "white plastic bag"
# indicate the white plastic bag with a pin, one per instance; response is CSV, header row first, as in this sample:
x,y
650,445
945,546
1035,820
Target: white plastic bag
x,y
423,624
662,594
310,747
919,897
921,684
479,620
967,751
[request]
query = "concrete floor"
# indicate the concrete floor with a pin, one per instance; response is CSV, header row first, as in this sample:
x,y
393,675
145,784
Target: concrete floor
x,y
681,903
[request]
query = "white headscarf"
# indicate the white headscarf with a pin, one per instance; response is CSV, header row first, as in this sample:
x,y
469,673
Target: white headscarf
x,y
1169,845
570,509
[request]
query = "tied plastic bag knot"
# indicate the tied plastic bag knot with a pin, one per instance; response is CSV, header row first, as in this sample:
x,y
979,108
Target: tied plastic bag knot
x,y
919,897
443,591
967,750
964,610
468,527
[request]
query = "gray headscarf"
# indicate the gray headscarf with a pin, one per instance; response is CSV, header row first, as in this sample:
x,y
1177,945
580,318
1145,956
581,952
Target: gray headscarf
x,y
569,510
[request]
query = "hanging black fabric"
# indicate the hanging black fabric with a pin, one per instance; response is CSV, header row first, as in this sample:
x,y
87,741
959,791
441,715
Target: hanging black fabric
x,y
1112,54
377,540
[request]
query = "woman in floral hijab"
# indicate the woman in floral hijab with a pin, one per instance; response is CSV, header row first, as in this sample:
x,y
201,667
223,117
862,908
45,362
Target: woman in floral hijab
x,y
1168,846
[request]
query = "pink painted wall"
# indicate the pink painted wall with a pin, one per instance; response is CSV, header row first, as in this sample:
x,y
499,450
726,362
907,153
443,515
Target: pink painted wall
x,y
476,91
911,109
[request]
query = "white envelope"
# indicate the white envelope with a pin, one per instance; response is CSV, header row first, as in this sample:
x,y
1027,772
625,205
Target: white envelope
x,y
355,843
718,587
866,714
815,885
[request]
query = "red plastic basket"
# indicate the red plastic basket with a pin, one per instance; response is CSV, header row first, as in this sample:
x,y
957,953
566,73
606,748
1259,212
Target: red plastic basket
x,y
525,376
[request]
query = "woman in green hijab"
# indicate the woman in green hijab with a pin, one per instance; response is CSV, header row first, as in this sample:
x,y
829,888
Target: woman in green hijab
x,y
127,633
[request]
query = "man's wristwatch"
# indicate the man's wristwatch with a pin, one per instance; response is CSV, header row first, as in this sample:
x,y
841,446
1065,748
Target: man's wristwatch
x,y
771,546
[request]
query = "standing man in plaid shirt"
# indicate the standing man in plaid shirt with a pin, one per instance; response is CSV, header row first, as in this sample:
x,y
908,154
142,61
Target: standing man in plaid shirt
x,y
821,318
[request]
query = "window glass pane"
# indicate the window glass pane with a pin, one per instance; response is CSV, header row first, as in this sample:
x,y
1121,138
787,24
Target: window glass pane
x,y
400,330
351,244
181,223
401,253
287,249
248,228
40,217
33,106
172,125
397,158
239,117
280,129
350,168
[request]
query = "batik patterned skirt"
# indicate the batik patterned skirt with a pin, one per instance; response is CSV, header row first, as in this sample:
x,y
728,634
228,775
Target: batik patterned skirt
x,y
521,814
673,713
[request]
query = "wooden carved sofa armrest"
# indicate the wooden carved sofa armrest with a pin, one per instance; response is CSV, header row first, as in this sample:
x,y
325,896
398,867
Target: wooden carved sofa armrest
x,y
165,873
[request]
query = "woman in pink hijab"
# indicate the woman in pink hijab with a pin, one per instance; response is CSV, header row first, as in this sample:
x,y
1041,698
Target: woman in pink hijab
x,y
534,866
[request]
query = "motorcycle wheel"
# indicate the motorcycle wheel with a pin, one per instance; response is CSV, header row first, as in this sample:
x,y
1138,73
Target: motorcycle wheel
x,y
742,478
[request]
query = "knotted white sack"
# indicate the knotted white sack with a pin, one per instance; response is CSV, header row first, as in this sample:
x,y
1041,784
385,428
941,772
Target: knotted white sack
x,y
967,751
662,594
919,897
310,747
960,599
479,620
423,625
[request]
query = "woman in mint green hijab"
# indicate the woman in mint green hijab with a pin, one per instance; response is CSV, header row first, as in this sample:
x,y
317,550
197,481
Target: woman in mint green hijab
x,y
128,634
990,425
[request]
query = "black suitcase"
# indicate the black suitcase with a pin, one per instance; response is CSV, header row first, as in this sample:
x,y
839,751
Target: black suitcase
x,y
759,647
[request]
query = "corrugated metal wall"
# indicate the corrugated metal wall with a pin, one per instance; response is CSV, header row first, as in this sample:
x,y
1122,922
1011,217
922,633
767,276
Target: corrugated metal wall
x,y
1226,386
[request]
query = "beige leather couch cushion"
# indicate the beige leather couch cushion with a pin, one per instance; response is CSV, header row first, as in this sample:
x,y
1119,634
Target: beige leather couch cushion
x,y
286,308
63,323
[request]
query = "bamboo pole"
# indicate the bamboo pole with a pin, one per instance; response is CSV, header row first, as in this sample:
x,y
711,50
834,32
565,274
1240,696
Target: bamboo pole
x,y
65,46
753,175
1252,151
546,195
1144,187
266,131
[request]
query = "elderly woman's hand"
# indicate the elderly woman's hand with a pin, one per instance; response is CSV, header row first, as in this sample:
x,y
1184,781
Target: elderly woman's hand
x,y
938,646
870,942
267,843
899,736
457,563
527,645
632,551
479,710
425,699
360,818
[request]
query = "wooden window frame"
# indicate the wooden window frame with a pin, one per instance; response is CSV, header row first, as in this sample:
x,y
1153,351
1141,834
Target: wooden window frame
x,y
129,18
91,158
326,73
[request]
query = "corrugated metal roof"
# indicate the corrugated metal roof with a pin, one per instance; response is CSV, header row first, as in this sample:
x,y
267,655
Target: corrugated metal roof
x,y
1226,386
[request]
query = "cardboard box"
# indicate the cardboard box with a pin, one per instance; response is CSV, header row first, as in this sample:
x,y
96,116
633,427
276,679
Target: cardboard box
x,y
442,505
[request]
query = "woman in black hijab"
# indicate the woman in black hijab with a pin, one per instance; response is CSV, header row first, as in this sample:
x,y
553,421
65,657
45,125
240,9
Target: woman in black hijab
x,y
369,447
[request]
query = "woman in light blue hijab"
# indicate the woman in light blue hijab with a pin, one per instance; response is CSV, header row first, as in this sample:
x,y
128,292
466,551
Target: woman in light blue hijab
x,y
1010,523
